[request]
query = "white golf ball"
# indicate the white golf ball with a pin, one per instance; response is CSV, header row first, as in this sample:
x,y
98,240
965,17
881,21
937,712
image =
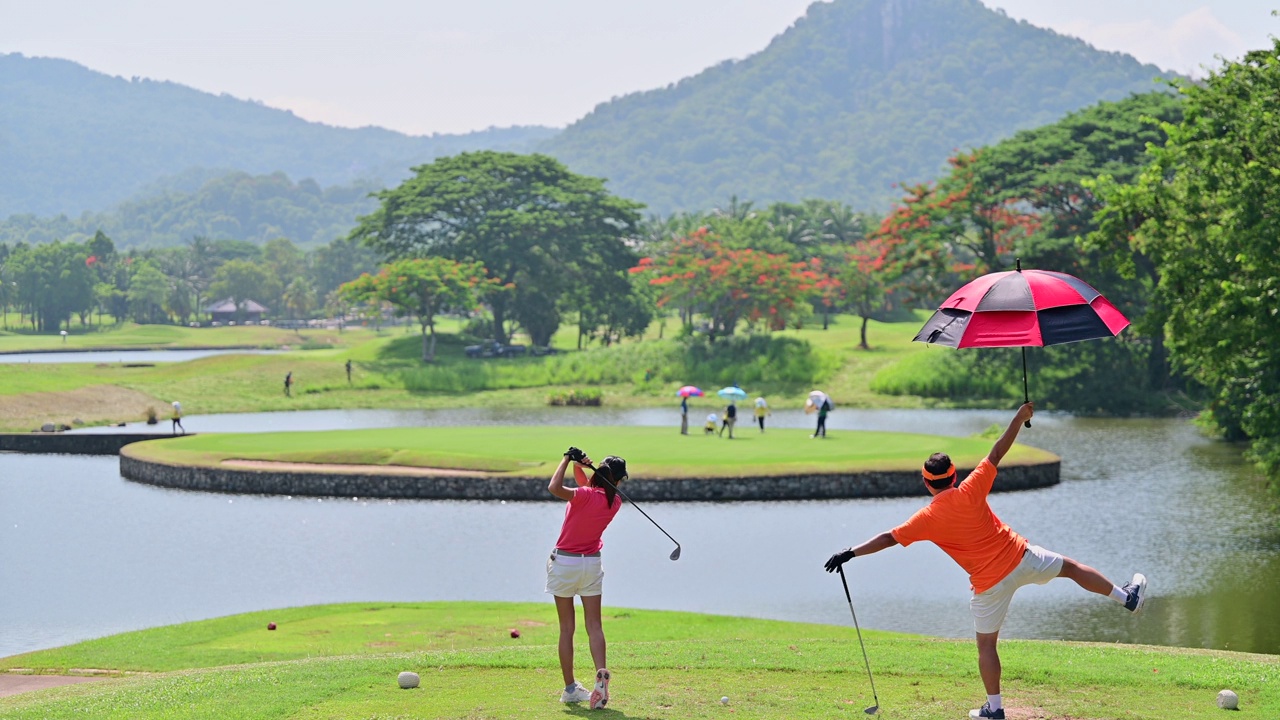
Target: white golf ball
x,y
724,700
408,680
1228,700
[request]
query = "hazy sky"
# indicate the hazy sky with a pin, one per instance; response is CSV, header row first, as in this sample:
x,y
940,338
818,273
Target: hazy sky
x,y
423,66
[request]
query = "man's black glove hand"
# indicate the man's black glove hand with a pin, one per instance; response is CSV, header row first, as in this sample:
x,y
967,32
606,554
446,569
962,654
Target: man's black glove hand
x,y
835,561
574,454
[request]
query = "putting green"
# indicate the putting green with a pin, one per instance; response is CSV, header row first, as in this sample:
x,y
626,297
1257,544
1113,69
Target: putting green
x,y
651,452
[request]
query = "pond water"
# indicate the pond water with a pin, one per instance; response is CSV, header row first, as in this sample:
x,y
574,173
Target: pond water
x,y
122,356
87,553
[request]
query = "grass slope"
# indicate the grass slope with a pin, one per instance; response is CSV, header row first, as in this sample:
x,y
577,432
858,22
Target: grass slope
x,y
340,661
650,451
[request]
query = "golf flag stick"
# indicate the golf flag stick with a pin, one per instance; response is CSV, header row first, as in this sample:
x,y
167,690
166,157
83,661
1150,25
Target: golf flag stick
x,y
874,708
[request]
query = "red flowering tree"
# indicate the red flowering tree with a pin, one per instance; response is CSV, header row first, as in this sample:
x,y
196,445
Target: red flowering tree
x,y
826,290
962,224
422,288
699,275
870,278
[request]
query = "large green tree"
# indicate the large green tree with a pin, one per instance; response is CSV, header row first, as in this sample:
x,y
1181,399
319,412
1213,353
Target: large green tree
x,y
1207,214
534,225
242,280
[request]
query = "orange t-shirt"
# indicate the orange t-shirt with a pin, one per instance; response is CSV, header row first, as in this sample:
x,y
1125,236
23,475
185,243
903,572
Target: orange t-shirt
x,y
960,522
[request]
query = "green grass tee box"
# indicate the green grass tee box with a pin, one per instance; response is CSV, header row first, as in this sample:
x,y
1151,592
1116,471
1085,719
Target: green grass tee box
x,y
656,452
341,661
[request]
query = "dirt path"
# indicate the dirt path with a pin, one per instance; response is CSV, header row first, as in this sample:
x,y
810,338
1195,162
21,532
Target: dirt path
x,y
351,469
12,684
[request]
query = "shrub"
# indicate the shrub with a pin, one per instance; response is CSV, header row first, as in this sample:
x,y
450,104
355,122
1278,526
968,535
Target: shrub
x,y
587,397
935,373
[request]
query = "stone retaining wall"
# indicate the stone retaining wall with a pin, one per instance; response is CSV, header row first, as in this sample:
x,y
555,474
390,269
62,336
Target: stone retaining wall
x,y
72,443
790,487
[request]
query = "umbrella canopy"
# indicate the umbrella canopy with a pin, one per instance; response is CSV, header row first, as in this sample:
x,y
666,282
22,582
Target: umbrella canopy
x,y
689,391
1022,308
816,398
732,393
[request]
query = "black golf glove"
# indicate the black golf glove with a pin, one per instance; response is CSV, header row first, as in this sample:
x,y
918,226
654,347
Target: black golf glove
x,y
575,454
835,561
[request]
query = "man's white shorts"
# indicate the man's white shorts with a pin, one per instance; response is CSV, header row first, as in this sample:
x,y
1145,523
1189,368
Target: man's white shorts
x,y
568,575
989,608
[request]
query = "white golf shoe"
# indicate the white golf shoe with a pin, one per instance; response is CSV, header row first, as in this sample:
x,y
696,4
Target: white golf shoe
x,y
576,695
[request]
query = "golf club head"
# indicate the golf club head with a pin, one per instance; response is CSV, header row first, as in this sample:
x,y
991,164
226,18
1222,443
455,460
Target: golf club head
x,y
675,554
872,710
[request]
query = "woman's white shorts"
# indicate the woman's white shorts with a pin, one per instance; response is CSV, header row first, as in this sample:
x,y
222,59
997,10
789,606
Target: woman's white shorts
x,y
989,608
568,575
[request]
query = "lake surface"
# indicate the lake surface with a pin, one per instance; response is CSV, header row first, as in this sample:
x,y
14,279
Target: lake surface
x,y
87,553
122,356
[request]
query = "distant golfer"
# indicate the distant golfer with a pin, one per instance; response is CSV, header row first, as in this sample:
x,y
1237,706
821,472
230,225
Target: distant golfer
x,y
821,430
709,427
730,419
762,411
288,384
575,567
999,561
177,418
348,372
684,415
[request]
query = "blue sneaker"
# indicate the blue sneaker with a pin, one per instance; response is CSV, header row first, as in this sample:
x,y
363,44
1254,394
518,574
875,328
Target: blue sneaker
x,y
986,712
1136,589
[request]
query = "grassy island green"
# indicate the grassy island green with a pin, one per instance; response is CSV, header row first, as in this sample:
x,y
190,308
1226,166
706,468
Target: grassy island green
x,y
341,661
658,452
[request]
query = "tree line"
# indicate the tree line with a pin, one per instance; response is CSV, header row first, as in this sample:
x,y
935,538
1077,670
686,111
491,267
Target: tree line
x,y
52,284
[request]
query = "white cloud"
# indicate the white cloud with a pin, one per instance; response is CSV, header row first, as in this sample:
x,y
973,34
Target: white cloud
x,y
1185,44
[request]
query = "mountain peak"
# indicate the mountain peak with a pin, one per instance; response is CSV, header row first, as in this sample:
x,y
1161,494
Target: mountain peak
x,y
855,96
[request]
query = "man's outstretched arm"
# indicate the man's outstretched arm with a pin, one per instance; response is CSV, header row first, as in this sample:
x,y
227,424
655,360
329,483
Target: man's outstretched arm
x,y
1006,440
875,544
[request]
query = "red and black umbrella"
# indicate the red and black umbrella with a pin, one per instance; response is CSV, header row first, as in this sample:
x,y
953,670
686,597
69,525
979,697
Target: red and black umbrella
x,y
1022,308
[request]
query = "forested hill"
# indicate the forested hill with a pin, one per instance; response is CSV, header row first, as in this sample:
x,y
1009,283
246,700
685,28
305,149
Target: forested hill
x,y
857,95
72,139
235,206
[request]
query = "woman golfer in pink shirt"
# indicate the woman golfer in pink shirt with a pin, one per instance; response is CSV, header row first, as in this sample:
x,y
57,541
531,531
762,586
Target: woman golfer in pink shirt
x,y
575,567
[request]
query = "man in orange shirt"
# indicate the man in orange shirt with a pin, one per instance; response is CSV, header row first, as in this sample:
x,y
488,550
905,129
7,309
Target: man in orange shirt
x,y
998,560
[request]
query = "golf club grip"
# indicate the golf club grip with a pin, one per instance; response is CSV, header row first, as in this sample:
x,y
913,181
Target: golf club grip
x,y
1027,423
845,583
633,502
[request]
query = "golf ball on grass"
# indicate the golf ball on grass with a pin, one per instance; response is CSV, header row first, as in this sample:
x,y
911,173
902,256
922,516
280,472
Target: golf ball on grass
x,y
515,633
271,626
407,680
1228,700
724,700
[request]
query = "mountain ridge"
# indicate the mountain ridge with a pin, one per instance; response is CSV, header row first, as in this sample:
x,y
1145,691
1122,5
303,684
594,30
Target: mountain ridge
x,y
845,87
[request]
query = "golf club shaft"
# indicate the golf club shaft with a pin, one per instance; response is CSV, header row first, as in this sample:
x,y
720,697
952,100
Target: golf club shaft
x,y
633,503
865,661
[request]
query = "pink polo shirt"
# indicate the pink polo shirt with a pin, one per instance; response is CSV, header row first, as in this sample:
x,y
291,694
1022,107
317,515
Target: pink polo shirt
x,y
585,518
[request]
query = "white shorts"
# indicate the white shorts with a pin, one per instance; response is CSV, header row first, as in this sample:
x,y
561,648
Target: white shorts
x,y
568,575
989,608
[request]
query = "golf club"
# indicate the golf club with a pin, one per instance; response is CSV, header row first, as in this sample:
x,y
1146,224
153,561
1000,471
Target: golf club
x,y
675,554
874,708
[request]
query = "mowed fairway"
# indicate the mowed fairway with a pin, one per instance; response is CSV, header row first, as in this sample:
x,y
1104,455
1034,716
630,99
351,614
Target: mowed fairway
x,y
341,661
650,451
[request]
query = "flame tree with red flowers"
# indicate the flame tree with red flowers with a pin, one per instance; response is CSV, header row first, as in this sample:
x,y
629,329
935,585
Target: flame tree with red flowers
x,y
697,274
963,224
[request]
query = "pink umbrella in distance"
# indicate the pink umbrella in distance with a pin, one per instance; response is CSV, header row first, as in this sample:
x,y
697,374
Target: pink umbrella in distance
x,y
689,391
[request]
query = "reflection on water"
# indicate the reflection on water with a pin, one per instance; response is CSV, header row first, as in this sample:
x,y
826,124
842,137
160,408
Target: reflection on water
x,y
94,554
